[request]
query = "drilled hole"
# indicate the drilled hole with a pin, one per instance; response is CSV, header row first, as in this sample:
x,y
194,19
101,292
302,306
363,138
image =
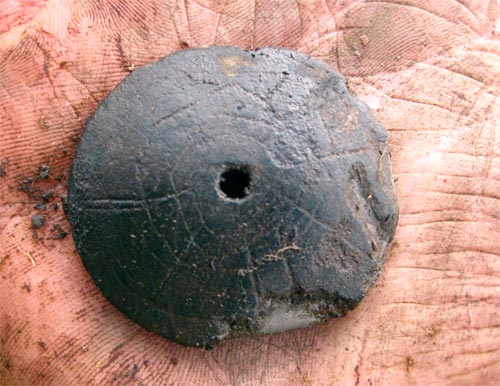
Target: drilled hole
x,y
234,183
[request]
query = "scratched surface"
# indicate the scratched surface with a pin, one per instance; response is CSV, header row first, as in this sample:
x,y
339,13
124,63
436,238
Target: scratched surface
x,y
171,252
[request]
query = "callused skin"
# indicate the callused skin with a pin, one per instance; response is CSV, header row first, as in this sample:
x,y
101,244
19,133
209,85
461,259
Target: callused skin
x,y
428,71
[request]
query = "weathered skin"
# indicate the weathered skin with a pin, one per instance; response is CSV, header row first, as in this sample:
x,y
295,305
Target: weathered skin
x,y
173,248
429,71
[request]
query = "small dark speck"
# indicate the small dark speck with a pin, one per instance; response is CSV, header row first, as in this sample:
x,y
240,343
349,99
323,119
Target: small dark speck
x,y
174,361
285,73
60,233
47,196
43,172
7,364
410,362
40,206
3,173
42,344
37,221
26,287
26,185
64,201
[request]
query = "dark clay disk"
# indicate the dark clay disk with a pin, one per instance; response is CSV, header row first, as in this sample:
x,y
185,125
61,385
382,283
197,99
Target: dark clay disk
x,y
221,192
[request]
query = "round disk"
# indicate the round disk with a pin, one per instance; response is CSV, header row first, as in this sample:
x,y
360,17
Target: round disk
x,y
220,192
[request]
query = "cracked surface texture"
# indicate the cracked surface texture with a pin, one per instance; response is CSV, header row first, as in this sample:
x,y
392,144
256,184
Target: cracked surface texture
x,y
170,250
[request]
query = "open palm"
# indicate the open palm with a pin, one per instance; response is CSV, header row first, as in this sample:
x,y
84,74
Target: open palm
x,y
430,72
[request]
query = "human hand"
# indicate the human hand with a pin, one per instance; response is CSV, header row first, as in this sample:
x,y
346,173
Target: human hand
x,y
430,73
